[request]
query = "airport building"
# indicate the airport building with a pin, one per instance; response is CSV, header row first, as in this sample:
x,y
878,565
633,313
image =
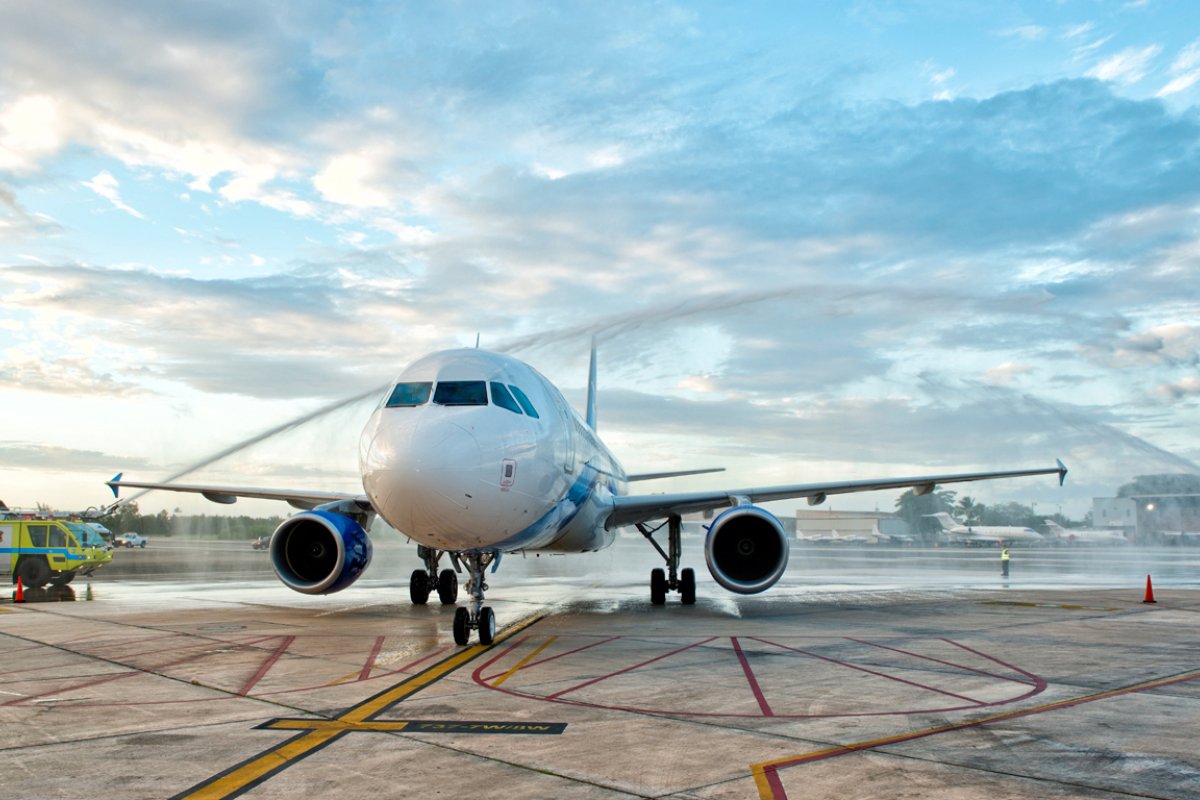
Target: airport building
x,y
1151,519
828,525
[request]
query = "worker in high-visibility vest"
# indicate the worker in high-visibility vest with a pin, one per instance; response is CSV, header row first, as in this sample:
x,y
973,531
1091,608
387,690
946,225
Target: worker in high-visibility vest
x,y
1004,562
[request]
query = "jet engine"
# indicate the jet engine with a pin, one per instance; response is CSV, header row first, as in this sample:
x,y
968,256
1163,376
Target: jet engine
x,y
746,550
319,552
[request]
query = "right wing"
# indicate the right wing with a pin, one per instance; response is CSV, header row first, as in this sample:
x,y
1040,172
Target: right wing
x,y
631,509
230,494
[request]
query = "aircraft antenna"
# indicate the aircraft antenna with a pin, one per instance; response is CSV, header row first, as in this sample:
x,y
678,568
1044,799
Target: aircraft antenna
x,y
591,395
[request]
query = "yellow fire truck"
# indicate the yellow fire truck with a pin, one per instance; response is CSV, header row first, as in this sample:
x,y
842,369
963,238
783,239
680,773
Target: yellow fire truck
x,y
42,550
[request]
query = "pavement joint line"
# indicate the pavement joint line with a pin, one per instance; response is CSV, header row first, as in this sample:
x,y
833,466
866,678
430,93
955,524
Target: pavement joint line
x,y
766,773
319,734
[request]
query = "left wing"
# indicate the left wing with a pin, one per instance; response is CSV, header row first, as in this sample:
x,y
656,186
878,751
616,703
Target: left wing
x,y
230,494
632,509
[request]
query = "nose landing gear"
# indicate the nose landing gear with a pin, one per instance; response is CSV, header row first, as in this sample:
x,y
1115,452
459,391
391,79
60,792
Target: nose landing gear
x,y
481,617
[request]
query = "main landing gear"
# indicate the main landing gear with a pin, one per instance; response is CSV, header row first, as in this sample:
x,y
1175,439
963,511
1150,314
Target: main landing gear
x,y
481,617
425,581
673,579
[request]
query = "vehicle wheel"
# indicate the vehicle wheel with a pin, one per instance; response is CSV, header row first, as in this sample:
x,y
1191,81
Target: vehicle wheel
x,y
658,587
687,586
34,572
142,545
447,587
62,578
462,630
487,625
418,587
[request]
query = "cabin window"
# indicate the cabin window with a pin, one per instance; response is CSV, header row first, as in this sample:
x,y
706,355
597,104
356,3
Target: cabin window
x,y
503,398
409,394
526,406
461,393
37,535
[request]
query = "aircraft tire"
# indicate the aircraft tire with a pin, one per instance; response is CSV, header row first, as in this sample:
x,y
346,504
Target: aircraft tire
x,y
687,586
34,572
658,587
462,626
418,587
447,587
487,625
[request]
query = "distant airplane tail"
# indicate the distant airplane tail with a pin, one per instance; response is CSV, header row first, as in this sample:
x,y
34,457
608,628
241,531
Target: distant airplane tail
x,y
947,521
1054,527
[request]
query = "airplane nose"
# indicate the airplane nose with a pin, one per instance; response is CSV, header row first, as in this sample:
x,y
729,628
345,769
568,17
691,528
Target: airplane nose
x,y
421,477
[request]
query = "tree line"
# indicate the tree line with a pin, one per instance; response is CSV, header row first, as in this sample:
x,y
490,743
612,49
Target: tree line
x,y
129,519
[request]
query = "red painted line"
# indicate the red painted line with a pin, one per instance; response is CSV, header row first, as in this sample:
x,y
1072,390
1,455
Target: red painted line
x,y
495,675
1038,682
754,687
946,663
844,750
477,674
366,670
104,679
409,665
266,666
873,672
556,695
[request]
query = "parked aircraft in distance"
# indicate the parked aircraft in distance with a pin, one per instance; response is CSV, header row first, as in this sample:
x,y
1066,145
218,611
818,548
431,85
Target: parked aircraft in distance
x,y
833,537
473,454
956,531
1084,536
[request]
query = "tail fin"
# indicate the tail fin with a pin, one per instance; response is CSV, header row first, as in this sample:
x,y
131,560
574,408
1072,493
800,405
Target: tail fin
x,y
591,395
947,521
1053,526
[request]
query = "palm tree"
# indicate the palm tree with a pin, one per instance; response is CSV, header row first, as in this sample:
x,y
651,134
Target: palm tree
x,y
968,511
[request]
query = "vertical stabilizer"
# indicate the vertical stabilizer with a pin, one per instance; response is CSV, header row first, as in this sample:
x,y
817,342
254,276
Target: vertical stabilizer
x,y
947,521
591,395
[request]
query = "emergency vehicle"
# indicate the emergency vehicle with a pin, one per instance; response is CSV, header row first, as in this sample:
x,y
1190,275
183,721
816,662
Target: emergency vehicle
x,y
42,550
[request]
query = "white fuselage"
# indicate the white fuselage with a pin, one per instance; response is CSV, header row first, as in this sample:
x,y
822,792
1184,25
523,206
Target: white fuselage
x,y
985,533
473,450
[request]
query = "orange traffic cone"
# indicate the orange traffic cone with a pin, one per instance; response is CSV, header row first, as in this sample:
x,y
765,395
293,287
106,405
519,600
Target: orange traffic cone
x,y
19,596
1149,592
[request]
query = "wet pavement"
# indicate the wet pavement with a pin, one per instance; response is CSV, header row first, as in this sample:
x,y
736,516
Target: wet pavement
x,y
865,673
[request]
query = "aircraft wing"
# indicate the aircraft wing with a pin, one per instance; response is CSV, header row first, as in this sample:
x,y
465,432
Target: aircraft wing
x,y
632,509
230,494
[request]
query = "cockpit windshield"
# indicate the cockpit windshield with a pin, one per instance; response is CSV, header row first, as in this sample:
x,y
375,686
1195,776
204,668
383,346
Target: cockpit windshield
x,y
409,394
461,393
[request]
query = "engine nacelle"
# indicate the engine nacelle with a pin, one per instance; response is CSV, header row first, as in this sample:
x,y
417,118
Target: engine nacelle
x,y
319,552
746,550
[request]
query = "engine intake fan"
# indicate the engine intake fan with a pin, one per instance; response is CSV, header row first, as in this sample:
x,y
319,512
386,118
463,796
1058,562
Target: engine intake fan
x,y
746,550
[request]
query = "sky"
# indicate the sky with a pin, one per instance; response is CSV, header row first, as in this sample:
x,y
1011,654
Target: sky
x,y
815,241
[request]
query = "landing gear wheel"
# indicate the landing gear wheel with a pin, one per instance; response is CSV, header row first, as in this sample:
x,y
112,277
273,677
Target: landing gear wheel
x,y
33,572
687,586
62,578
658,587
462,626
447,587
418,587
487,625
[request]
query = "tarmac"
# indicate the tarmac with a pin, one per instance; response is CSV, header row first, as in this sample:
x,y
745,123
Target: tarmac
x,y
880,674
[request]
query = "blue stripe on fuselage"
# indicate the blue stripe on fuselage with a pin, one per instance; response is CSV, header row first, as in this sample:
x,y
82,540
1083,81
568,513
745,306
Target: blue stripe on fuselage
x,y
560,515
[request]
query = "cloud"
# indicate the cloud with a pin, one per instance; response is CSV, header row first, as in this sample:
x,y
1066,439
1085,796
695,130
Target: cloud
x,y
108,187
1126,67
1029,33
18,223
49,458
1185,71
1180,389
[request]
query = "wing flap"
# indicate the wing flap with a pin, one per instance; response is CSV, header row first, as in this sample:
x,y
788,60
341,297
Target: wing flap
x,y
632,509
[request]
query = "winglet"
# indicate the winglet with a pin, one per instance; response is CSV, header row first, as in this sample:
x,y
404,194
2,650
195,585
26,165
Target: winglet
x,y
591,395
1062,471
115,483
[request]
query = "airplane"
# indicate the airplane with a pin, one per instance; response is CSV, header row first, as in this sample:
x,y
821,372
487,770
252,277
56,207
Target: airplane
x,y
1082,536
980,534
473,454
833,537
